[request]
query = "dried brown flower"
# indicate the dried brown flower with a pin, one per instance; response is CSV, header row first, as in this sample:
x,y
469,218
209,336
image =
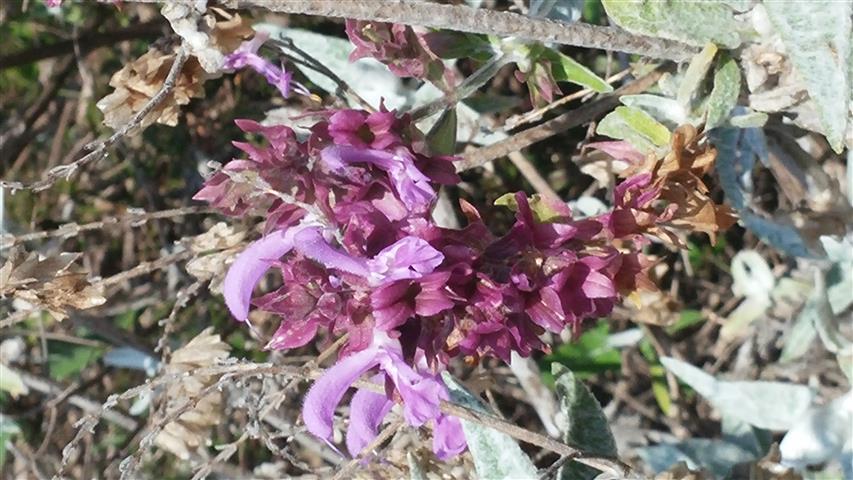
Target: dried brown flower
x,y
192,428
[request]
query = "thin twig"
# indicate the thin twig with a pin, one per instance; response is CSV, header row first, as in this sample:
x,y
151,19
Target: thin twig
x,y
476,20
99,148
133,218
579,116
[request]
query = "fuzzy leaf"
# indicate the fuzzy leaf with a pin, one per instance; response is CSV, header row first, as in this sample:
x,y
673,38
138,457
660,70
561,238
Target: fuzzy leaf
x,y
663,109
695,23
636,126
566,69
769,405
496,455
817,38
723,97
696,72
586,426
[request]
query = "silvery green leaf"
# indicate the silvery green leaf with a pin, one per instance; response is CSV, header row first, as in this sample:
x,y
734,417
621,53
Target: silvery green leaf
x,y
749,120
718,456
586,426
840,276
817,38
751,275
822,434
695,23
753,440
665,110
799,338
825,321
368,77
636,126
695,74
723,97
496,455
768,405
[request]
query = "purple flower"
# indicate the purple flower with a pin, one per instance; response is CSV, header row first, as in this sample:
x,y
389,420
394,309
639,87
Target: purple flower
x,y
420,393
247,56
409,257
250,266
412,186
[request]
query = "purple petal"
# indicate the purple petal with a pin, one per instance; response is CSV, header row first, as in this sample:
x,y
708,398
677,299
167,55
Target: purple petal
x,y
409,257
248,269
448,438
367,410
323,397
310,242
420,393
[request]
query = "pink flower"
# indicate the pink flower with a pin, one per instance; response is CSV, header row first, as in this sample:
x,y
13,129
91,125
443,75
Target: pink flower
x,y
420,394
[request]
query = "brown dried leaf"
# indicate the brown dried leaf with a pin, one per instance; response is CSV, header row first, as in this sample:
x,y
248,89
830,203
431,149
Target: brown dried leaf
x,y
52,282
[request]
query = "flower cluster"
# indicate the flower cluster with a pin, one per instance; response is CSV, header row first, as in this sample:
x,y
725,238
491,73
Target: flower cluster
x,y
348,224
349,227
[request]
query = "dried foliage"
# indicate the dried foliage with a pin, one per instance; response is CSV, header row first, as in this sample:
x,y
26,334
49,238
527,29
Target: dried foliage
x,y
51,282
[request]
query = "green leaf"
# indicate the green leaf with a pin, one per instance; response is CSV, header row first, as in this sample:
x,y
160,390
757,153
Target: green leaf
x,y
696,72
687,319
663,109
566,69
636,126
586,426
695,23
660,389
442,136
588,355
496,455
816,35
723,97
67,360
